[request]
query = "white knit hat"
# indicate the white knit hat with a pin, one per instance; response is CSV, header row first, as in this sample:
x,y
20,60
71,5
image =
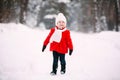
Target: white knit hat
x,y
60,17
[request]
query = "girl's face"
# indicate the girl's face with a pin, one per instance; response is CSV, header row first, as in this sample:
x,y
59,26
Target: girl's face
x,y
61,24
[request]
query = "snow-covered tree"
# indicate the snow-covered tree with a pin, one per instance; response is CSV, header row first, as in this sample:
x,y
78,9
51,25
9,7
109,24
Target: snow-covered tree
x,y
82,15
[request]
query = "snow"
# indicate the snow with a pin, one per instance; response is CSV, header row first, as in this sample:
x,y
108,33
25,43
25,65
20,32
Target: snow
x,y
64,1
50,16
95,56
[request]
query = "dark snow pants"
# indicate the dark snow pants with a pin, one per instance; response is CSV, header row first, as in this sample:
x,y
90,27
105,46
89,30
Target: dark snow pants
x,y
56,57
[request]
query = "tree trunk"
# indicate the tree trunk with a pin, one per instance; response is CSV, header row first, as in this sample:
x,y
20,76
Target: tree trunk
x,y
23,10
5,10
116,15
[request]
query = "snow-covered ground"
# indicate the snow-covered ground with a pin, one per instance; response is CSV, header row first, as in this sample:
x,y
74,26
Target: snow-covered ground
x,y
95,56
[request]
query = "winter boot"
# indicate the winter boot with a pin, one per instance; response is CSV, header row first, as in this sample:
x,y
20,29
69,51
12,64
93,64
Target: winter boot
x,y
63,69
54,71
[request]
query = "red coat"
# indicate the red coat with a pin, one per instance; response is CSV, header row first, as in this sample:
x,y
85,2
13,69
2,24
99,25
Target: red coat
x,y
62,46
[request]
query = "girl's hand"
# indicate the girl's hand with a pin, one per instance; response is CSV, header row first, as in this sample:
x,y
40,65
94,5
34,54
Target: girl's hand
x,y
70,52
43,48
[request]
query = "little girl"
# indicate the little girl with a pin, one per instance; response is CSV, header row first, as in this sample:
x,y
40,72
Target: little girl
x,y
60,42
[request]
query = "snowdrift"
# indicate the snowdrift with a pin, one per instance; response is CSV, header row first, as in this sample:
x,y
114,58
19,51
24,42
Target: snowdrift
x,y
95,56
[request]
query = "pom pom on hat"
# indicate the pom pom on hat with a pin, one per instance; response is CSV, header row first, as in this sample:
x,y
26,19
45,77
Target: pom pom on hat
x,y
60,17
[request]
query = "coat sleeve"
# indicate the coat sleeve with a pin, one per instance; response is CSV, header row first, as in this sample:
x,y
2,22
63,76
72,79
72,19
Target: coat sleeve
x,y
46,41
69,41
